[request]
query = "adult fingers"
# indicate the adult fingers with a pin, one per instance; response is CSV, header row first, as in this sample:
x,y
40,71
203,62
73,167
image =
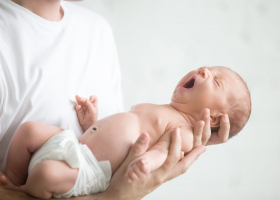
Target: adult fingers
x,y
182,166
139,147
205,116
172,158
223,134
197,135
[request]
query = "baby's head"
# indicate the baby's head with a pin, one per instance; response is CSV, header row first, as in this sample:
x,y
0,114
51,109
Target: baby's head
x,y
218,88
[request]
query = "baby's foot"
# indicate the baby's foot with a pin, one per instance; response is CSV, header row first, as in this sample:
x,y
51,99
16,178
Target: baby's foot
x,y
6,183
137,169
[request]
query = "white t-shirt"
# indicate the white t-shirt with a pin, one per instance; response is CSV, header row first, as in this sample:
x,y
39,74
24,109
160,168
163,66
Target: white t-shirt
x,y
44,64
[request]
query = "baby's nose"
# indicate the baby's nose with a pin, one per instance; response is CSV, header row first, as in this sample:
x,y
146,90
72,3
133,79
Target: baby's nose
x,y
204,72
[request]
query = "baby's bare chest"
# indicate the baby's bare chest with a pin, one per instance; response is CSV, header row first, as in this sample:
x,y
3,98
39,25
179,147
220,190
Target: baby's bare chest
x,y
130,125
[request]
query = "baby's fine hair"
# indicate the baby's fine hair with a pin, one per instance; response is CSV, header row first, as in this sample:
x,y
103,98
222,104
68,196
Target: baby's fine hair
x,y
239,109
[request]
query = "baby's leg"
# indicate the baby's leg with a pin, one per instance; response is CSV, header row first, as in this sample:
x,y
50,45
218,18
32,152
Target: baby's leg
x,y
46,178
149,161
29,137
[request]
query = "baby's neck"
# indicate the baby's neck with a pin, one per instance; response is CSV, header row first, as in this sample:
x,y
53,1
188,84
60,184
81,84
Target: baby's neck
x,y
188,117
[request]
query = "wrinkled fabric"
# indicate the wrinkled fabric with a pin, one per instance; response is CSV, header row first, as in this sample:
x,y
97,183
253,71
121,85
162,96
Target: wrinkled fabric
x,y
93,176
44,64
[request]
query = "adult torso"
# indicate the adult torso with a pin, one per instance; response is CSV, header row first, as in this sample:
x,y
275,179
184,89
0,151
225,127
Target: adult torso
x,y
44,64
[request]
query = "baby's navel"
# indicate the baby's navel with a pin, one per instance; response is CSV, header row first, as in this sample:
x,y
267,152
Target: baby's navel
x,y
94,129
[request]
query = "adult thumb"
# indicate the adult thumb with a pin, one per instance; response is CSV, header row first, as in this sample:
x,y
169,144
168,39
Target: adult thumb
x,y
139,147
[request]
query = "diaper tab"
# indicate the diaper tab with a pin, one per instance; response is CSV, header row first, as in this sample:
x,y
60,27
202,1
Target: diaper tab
x,y
72,154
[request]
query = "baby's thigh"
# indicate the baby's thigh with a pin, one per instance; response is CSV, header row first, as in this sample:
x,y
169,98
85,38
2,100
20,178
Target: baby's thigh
x,y
32,135
52,176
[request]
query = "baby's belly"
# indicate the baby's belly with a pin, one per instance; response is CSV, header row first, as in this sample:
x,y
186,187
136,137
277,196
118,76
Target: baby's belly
x,y
112,137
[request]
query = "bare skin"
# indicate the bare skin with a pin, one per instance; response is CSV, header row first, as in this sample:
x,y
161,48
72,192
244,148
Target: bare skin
x,y
136,190
47,9
103,138
159,121
119,188
44,178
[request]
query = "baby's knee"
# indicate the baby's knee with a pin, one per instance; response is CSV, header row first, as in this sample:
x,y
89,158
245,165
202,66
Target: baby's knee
x,y
54,176
51,172
27,128
30,125
44,171
39,182
24,133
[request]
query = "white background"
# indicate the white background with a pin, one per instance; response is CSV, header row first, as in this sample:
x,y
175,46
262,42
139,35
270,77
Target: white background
x,y
159,41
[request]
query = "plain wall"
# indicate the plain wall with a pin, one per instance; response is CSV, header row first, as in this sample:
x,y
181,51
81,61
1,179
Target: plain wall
x,y
159,41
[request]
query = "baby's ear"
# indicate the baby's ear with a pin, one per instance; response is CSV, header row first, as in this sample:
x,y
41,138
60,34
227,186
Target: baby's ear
x,y
215,120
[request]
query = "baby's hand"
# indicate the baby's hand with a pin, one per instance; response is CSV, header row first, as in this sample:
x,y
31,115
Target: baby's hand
x,y
86,111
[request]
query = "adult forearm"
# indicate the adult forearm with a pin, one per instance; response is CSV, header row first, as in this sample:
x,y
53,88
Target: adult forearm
x,y
98,196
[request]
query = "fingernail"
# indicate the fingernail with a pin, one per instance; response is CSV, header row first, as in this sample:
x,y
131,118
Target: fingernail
x,y
142,138
226,118
178,131
204,149
201,126
207,113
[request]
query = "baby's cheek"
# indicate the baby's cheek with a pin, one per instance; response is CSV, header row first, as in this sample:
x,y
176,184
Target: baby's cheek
x,y
187,142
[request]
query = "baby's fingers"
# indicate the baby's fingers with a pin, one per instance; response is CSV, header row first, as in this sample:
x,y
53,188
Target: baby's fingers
x,y
77,108
80,100
91,109
93,99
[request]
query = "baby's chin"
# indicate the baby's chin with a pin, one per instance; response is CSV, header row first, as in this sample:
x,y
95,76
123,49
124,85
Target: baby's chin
x,y
174,103
178,106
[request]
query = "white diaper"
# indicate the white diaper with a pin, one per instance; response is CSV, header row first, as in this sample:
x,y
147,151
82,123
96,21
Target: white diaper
x,y
93,176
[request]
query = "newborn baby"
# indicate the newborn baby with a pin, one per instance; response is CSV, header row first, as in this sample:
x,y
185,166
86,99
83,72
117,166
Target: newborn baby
x,y
62,167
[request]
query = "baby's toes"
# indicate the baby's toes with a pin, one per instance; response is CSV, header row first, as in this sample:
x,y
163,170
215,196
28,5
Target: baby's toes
x,y
7,184
143,166
139,170
3,180
130,175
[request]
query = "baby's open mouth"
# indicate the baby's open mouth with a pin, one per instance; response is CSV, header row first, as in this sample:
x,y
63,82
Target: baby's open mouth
x,y
190,83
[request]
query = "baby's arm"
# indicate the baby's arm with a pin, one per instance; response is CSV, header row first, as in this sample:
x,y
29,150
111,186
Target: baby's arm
x,y
86,111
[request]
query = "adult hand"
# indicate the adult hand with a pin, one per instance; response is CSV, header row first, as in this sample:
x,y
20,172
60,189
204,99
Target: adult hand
x,y
202,130
221,136
119,188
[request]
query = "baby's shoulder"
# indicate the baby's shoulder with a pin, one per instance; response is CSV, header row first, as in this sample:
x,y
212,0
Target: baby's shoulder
x,y
143,106
185,127
176,119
